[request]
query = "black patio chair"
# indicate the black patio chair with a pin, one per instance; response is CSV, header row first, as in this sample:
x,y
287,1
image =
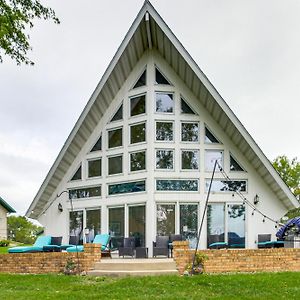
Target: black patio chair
x,y
55,244
173,238
127,249
161,246
73,241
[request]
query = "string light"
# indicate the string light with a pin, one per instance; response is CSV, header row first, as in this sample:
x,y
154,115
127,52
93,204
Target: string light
x,y
245,200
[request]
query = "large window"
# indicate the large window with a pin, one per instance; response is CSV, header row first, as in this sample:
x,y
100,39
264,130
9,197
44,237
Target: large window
x,y
164,103
164,131
115,138
211,156
221,186
94,168
116,226
189,159
189,132
137,221
164,159
165,215
93,224
115,165
85,192
138,161
179,185
189,223
138,133
127,187
76,224
137,105
226,223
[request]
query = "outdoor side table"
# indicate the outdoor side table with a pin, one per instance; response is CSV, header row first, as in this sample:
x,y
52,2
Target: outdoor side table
x,y
141,252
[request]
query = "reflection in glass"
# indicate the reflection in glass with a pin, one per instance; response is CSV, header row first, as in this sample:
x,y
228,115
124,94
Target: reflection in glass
x,y
138,105
98,145
115,138
127,187
236,225
137,221
210,157
138,161
190,159
164,102
164,131
165,219
93,224
118,115
141,81
210,138
234,165
189,223
115,164
85,192
116,226
164,159
160,78
77,175
94,168
215,223
176,185
189,132
219,185
76,224
137,133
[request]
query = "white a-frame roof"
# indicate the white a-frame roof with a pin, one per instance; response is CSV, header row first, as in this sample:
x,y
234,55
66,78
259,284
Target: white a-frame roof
x,y
149,31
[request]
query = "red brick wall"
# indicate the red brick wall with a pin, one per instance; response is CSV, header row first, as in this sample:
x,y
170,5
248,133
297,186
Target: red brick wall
x,y
240,260
49,262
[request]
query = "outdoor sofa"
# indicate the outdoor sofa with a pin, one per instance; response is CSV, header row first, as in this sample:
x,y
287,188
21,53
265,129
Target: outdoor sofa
x,y
38,246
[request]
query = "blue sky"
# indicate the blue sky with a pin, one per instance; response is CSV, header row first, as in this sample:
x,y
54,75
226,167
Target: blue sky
x,y
248,49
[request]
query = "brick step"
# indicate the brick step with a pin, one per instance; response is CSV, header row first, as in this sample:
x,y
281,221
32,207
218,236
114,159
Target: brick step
x,y
135,264
118,273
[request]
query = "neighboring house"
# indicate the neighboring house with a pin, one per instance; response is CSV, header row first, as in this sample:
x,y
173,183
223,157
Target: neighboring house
x,y
140,158
5,208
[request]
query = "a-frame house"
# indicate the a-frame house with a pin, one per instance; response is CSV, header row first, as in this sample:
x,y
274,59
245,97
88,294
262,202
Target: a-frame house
x,y
139,160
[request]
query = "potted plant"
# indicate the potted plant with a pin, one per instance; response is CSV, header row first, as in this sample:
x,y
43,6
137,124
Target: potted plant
x,y
200,258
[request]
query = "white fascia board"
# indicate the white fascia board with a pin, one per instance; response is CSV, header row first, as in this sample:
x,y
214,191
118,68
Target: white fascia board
x,y
218,98
89,105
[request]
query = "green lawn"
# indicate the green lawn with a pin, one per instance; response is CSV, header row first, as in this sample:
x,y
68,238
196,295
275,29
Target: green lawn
x,y
235,286
3,250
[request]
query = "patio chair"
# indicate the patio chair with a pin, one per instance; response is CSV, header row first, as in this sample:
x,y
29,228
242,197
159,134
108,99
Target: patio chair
x,y
38,245
128,247
55,244
102,239
264,241
173,238
214,241
161,246
73,241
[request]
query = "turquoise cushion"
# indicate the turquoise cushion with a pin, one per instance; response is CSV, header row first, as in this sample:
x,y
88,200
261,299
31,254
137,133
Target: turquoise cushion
x,y
218,244
102,239
25,249
42,241
75,249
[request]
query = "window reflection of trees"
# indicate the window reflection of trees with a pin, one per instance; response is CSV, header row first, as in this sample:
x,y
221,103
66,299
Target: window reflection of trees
x,y
164,159
189,132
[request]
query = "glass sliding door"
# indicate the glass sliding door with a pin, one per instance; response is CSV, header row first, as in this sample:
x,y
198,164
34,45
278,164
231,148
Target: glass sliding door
x,y
76,224
165,219
137,218
116,226
215,223
93,224
236,225
189,223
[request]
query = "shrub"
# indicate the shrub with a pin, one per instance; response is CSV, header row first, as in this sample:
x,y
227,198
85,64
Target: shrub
x,y
4,243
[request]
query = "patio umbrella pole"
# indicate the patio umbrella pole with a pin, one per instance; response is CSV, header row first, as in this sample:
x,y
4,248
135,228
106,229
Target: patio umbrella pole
x,y
204,212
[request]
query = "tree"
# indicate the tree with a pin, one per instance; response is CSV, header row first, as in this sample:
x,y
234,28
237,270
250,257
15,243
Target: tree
x,y
15,17
21,230
289,170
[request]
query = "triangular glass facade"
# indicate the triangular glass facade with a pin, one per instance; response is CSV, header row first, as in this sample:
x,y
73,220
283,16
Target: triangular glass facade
x,y
160,78
77,175
98,145
118,115
234,165
185,108
210,138
141,81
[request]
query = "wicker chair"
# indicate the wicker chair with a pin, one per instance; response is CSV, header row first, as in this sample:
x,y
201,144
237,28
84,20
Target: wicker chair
x,y
127,249
161,246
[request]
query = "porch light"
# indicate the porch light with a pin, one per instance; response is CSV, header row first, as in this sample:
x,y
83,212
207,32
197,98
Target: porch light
x,y
256,199
59,207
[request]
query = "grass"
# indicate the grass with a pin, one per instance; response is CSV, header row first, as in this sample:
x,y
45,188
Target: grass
x,y
234,286
3,250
